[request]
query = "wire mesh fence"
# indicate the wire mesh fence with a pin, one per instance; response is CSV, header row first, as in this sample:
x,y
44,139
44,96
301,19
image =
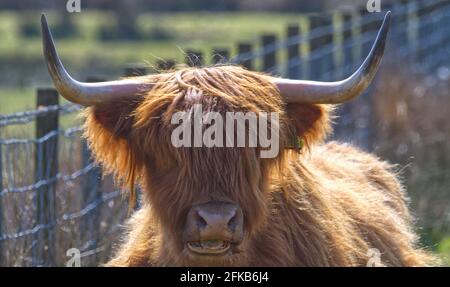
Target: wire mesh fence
x,y
54,198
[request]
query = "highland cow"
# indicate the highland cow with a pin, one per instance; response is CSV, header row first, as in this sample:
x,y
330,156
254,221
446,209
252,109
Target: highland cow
x,y
314,204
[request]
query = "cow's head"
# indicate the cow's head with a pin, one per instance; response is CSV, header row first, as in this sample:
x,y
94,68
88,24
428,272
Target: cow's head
x,y
209,202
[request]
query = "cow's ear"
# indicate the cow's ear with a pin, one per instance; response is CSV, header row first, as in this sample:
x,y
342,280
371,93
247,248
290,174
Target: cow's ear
x,y
311,122
107,129
116,116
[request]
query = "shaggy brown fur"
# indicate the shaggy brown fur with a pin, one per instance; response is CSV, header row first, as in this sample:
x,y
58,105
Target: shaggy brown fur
x,y
324,206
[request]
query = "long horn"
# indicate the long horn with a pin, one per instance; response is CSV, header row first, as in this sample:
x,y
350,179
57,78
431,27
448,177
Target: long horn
x,y
86,94
300,91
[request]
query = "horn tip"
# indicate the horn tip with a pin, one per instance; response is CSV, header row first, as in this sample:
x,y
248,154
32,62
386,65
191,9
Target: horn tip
x,y
44,25
43,18
387,17
386,23
46,36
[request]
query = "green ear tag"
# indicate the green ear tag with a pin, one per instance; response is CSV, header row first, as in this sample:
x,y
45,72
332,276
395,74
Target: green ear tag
x,y
297,143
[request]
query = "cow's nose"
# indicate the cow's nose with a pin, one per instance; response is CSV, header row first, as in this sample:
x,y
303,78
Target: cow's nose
x,y
215,221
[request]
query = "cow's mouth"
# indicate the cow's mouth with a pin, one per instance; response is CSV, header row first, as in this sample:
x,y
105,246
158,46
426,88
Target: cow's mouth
x,y
209,247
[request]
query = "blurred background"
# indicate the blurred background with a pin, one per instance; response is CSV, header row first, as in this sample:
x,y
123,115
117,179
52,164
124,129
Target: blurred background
x,y
53,198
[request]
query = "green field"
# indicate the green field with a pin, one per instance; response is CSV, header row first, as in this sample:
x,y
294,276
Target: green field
x,y
16,99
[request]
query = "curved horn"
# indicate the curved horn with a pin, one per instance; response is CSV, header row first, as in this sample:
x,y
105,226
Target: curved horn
x,y
300,91
86,94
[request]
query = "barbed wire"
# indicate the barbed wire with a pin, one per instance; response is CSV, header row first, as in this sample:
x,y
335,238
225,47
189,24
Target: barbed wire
x,y
29,116
45,182
64,132
65,217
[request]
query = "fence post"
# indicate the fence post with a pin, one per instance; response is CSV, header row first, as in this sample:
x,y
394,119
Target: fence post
x,y
366,28
194,58
347,44
344,127
293,51
446,23
423,31
408,30
433,15
135,70
92,185
164,65
243,49
401,21
220,56
269,60
362,108
46,170
320,64
326,42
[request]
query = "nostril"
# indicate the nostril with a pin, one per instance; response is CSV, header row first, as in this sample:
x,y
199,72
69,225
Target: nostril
x,y
200,221
216,219
232,223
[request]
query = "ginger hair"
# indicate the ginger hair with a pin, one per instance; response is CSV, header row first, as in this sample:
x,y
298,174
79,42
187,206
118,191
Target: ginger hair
x,y
325,205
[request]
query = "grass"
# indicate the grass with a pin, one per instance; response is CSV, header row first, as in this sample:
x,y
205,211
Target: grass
x,y
23,99
444,250
16,99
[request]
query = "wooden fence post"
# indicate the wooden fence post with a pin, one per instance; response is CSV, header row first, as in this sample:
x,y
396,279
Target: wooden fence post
x,y
431,20
320,65
345,66
220,56
245,48
46,170
135,70
92,185
407,20
404,18
347,45
446,23
362,108
415,27
293,51
423,30
401,21
194,58
328,63
367,28
165,64
269,59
